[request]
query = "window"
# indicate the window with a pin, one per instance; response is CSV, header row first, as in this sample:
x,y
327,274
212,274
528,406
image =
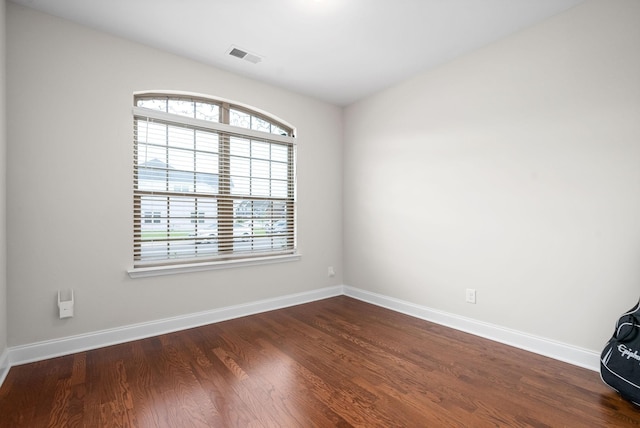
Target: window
x,y
213,181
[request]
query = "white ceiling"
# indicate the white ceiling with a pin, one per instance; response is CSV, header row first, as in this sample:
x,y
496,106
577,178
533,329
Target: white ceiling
x,y
335,50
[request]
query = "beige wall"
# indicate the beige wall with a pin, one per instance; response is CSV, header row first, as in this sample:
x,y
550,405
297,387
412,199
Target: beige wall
x,y
514,170
70,182
3,194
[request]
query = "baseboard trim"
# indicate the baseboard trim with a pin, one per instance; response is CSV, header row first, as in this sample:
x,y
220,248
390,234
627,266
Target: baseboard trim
x,y
4,365
69,345
539,345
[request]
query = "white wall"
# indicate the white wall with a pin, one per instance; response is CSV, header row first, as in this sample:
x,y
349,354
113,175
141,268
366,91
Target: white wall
x,y
514,170
3,193
70,182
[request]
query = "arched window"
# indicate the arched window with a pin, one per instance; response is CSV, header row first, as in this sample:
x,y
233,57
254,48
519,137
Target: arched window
x,y
213,182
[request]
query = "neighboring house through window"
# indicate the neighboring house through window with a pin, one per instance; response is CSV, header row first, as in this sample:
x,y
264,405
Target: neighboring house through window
x,y
213,181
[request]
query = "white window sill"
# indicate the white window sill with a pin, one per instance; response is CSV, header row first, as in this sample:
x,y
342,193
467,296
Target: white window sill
x,y
199,267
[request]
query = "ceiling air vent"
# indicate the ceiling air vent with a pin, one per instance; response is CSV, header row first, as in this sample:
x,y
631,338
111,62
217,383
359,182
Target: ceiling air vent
x,y
242,54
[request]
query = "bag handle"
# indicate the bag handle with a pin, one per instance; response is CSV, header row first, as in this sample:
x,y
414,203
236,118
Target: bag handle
x,y
627,336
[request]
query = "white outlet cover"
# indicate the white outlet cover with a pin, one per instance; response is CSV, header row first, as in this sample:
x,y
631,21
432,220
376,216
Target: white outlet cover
x,y
471,295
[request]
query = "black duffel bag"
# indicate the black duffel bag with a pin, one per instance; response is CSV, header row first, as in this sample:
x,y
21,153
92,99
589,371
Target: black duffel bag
x,y
620,359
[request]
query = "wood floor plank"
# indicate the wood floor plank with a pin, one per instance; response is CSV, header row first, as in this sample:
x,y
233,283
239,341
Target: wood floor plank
x,y
269,381
337,362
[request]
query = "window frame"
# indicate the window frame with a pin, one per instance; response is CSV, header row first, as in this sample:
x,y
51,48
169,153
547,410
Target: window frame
x,y
226,254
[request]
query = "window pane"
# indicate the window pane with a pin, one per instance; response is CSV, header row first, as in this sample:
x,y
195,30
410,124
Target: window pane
x,y
148,132
180,215
206,141
260,150
240,167
206,162
210,209
153,103
155,208
278,131
240,119
177,183
181,107
279,189
259,187
240,185
181,160
152,175
206,183
151,251
279,170
260,168
252,209
148,154
279,152
240,147
181,137
205,111
259,124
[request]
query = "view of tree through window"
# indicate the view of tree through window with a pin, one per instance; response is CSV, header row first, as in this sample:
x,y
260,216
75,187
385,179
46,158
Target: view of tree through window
x,y
212,181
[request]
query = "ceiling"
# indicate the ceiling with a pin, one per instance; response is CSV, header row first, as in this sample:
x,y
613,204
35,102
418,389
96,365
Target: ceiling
x,y
338,51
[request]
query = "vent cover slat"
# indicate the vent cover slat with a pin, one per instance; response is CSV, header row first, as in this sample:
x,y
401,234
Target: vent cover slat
x,y
237,53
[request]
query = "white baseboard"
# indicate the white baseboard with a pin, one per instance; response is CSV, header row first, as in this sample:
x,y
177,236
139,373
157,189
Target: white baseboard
x,y
539,345
4,365
68,345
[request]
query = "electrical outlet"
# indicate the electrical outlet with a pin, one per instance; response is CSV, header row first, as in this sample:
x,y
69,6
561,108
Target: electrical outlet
x,y
65,304
331,272
471,295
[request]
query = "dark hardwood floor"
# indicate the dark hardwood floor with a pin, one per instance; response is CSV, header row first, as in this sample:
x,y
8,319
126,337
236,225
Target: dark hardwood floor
x,y
333,363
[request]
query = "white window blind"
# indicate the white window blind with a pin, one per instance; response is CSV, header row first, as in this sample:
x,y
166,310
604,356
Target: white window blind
x,y
212,182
